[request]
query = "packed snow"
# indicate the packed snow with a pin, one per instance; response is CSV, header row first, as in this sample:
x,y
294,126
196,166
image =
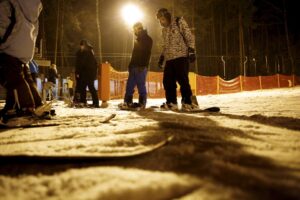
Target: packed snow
x,y
250,150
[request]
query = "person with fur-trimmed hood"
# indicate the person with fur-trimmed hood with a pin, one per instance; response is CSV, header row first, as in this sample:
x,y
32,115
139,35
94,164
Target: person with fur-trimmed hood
x,y
18,33
178,51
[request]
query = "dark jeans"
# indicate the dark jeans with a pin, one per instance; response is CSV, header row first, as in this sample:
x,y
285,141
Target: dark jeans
x,y
15,76
177,70
90,84
137,77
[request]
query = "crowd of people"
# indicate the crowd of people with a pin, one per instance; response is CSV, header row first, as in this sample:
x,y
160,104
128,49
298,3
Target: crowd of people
x,y
18,70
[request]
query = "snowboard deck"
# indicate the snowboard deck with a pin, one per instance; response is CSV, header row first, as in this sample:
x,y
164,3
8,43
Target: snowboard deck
x,y
100,156
213,109
32,122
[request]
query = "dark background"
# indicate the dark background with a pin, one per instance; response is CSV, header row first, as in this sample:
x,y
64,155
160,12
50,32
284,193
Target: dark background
x,y
262,33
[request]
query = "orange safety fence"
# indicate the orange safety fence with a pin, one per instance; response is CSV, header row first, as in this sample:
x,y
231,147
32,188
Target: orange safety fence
x,y
251,83
231,86
269,82
206,85
113,83
297,80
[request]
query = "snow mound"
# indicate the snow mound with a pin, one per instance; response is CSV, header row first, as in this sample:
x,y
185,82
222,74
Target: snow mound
x,y
98,183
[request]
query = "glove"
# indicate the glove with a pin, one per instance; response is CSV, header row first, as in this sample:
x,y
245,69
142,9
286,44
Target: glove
x,y
161,61
191,55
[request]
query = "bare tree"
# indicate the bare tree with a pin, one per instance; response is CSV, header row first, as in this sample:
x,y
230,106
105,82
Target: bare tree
x,y
98,29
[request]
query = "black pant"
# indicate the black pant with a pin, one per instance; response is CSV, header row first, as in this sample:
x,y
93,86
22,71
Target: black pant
x,y
90,84
15,76
177,70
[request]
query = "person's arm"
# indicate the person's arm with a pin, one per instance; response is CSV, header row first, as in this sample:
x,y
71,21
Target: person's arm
x,y
5,14
162,55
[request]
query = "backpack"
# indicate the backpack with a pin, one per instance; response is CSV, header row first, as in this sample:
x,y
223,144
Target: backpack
x,y
178,25
11,25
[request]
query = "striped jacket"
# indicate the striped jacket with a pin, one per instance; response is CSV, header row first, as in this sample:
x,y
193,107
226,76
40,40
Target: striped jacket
x,y
177,38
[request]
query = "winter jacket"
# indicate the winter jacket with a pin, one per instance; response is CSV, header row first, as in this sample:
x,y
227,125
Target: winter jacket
x,y
52,75
177,38
33,66
86,65
141,51
20,43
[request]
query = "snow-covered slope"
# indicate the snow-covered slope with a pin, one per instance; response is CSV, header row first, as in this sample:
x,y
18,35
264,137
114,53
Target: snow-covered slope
x,y
251,150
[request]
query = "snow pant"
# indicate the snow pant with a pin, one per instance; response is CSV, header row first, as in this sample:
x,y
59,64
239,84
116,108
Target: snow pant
x,y
177,70
90,84
137,77
16,78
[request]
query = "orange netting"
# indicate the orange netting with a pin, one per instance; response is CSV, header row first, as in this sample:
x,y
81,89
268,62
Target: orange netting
x,y
251,83
114,83
297,80
206,85
230,86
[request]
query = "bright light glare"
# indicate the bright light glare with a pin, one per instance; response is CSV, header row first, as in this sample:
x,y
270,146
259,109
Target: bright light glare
x,y
131,14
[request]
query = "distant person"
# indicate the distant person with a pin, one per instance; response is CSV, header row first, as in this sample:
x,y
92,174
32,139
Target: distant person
x,y
178,51
34,70
51,82
18,33
70,84
138,68
86,72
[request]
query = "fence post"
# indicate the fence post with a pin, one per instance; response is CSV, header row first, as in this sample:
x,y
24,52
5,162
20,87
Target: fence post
x,y
241,83
218,85
104,83
224,66
293,84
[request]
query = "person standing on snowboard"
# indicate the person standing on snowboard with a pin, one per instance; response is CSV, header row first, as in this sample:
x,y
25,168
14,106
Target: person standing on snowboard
x,y
178,51
138,68
86,68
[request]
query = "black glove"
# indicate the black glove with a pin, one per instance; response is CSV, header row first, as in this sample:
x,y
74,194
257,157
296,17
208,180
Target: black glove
x,y
161,61
192,55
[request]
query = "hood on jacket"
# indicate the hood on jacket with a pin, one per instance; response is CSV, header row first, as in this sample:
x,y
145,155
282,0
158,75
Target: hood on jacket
x,y
31,9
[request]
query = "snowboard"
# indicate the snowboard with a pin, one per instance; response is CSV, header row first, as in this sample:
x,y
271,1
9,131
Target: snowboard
x,y
213,109
134,107
31,122
100,156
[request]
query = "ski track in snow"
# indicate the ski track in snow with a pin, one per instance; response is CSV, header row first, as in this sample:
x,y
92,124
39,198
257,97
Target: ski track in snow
x,y
251,150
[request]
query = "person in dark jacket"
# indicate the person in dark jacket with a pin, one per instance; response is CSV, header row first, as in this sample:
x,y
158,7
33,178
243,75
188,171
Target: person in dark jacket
x,y
86,72
138,68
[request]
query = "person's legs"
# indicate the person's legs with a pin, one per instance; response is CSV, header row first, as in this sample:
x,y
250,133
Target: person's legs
x,y
169,82
32,85
83,85
131,83
182,76
12,78
93,92
141,75
77,90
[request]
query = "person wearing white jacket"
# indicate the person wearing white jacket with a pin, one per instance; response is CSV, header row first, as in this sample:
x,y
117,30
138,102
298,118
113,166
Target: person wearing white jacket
x,y
18,33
